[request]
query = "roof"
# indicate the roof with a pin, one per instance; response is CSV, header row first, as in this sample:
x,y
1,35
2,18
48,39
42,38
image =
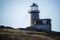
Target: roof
x,y
42,19
34,5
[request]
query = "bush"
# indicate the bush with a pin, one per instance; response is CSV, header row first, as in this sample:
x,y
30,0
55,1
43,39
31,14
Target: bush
x,y
1,26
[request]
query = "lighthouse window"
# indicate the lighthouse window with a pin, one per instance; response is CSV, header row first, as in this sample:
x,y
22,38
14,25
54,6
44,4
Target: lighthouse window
x,y
44,21
34,8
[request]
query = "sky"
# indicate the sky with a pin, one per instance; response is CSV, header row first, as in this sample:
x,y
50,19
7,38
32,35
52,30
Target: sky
x,y
15,13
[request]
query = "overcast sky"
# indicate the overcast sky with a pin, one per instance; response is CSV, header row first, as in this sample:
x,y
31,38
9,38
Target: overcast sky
x,y
14,13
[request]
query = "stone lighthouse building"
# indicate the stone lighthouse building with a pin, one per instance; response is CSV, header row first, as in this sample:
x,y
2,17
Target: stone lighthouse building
x,y
36,23
34,13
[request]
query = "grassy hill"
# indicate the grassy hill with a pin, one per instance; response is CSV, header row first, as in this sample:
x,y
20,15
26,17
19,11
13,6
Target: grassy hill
x,y
14,34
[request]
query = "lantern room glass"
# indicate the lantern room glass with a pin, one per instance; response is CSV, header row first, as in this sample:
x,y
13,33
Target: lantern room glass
x,y
34,8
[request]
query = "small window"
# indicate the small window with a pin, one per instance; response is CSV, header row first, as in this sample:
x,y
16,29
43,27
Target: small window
x,y
44,21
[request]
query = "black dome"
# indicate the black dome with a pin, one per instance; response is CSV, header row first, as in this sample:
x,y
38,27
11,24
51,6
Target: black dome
x,y
34,5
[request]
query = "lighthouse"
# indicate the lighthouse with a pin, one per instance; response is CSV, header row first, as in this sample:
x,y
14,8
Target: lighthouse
x,y
36,22
34,12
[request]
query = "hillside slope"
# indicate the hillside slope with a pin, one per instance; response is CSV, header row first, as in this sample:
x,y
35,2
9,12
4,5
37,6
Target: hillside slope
x,y
13,34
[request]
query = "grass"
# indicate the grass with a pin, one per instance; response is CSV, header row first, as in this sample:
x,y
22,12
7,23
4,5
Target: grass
x,y
13,34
